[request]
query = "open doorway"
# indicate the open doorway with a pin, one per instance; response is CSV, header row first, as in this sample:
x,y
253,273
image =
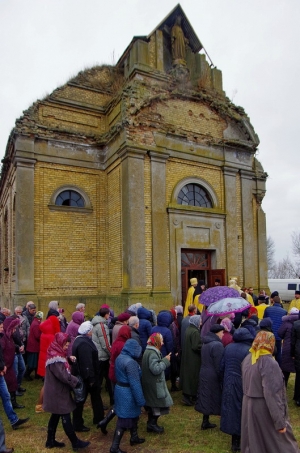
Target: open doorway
x,y
197,264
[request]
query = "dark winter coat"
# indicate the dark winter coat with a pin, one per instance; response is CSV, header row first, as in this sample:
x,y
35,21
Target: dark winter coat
x,y
87,363
275,312
231,368
57,387
49,328
33,343
184,325
145,326
295,345
153,378
28,315
210,380
9,349
129,397
190,361
164,320
285,332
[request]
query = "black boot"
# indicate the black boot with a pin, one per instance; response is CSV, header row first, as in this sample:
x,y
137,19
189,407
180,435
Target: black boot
x,y
115,447
69,430
52,427
134,438
152,426
103,424
27,373
206,424
236,443
14,403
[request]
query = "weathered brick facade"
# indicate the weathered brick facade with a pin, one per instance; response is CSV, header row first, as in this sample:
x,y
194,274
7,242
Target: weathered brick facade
x,y
127,139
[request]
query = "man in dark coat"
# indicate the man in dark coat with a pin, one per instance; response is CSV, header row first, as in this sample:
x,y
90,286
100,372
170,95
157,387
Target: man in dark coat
x,y
88,367
276,312
232,397
210,381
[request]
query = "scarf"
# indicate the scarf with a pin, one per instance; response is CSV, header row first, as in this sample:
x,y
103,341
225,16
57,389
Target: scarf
x,y
155,340
263,344
56,352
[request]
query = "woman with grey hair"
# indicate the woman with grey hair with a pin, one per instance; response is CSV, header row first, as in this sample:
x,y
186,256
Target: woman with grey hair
x,y
191,361
53,308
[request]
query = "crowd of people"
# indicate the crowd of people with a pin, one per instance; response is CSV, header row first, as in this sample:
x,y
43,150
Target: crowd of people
x,y
236,366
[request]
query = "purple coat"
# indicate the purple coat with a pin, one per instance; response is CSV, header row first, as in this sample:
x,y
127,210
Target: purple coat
x,y
9,349
73,326
285,332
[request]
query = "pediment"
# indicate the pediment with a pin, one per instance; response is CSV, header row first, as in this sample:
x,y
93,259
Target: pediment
x,y
167,23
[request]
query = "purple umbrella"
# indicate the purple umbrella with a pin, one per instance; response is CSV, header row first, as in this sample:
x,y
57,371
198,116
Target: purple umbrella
x,y
228,305
216,293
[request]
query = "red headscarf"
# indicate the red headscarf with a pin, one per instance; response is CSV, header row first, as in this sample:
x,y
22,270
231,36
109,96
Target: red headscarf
x,y
56,348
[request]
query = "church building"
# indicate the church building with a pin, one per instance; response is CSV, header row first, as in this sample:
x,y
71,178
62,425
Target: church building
x,y
129,180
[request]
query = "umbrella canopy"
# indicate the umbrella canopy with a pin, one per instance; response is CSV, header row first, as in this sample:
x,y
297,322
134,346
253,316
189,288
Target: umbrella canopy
x,y
228,305
216,293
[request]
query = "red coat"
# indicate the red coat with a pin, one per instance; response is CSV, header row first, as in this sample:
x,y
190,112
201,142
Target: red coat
x,y
49,328
33,342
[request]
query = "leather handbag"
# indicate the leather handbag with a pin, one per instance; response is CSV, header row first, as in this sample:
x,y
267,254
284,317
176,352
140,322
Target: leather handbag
x,y
79,391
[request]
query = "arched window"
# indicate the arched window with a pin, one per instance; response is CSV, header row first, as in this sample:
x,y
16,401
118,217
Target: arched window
x,y
69,198
194,195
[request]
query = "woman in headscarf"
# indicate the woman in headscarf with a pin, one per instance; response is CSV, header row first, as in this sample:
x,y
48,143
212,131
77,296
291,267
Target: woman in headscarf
x,y
157,396
73,326
265,424
124,334
57,396
209,394
191,361
227,336
129,397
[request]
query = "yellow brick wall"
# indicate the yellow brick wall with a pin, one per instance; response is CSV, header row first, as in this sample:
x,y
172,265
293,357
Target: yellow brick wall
x,y
177,169
66,243
83,95
72,120
114,227
191,116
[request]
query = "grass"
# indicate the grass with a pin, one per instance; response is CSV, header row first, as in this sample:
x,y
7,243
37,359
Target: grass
x,y
182,429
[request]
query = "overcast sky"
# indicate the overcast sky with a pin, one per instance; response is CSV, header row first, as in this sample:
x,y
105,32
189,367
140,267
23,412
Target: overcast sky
x,y
254,42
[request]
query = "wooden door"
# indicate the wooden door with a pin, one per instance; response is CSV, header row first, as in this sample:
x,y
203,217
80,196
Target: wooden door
x,y
194,263
212,274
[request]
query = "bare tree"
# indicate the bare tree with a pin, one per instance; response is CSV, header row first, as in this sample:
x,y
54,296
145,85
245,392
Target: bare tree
x,y
296,243
285,269
270,252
